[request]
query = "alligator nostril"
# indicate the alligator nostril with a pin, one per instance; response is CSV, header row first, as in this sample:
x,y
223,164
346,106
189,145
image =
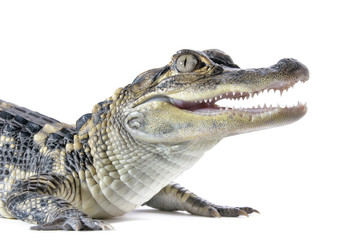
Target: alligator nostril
x,y
293,67
287,62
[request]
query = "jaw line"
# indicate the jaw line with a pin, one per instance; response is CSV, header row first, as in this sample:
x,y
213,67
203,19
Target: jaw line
x,y
208,105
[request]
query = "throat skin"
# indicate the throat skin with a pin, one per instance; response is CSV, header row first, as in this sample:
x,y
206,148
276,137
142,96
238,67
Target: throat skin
x,y
128,172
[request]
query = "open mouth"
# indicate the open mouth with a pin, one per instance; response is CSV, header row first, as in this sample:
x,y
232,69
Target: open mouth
x,y
276,96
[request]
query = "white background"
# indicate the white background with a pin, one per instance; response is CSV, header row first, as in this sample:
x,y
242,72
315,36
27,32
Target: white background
x,y
62,57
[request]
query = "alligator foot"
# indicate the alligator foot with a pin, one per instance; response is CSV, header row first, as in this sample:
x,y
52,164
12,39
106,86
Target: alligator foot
x,y
72,220
173,197
47,211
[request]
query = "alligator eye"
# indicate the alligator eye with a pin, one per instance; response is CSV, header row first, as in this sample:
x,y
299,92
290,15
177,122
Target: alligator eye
x,y
186,63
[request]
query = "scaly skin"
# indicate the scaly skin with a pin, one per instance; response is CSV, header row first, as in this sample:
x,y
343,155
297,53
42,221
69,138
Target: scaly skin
x,y
127,152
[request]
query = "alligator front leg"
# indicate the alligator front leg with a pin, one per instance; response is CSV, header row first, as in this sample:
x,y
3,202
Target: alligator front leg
x,y
173,197
33,201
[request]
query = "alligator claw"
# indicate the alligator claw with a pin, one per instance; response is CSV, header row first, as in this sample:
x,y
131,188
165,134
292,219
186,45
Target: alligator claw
x,y
106,226
249,210
234,211
213,212
256,211
242,212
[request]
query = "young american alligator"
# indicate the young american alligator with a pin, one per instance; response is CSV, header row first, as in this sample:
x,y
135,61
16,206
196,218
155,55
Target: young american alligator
x,y
127,152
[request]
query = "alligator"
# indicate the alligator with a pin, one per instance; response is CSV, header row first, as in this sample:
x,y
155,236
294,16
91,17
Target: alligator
x,y
129,150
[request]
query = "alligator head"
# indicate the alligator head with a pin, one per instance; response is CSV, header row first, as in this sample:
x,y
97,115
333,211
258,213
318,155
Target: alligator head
x,y
178,102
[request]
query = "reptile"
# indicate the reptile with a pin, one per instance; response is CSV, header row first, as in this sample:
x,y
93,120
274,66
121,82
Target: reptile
x,y
127,152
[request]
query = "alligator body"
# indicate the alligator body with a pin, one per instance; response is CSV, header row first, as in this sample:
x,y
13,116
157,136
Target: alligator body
x,y
127,152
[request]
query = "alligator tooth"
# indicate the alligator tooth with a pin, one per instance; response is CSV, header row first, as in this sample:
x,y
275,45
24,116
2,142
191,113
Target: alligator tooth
x,y
220,96
234,93
205,100
215,98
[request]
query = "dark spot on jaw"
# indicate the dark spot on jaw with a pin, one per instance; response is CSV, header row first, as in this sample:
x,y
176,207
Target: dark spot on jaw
x,y
164,129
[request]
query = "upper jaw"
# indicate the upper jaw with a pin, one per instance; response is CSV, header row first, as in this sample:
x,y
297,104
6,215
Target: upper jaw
x,y
242,83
